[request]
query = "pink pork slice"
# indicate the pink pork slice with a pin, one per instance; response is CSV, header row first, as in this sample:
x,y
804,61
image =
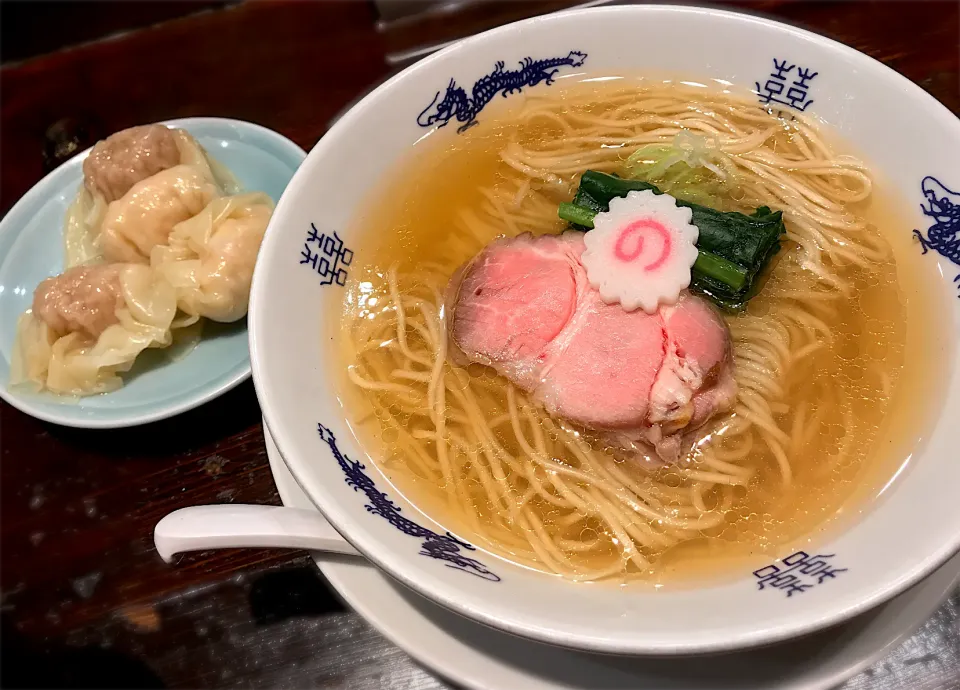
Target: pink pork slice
x,y
524,307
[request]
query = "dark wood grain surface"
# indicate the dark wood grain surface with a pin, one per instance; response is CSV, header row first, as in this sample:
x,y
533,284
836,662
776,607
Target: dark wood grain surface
x,y
86,601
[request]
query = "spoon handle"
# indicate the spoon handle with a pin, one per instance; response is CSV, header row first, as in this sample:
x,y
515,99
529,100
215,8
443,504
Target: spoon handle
x,y
199,528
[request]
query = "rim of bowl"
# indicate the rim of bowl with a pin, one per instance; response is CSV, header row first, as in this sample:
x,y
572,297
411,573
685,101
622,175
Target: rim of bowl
x,y
369,545
36,192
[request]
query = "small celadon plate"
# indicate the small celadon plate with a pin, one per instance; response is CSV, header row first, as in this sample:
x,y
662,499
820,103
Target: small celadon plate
x,y
158,386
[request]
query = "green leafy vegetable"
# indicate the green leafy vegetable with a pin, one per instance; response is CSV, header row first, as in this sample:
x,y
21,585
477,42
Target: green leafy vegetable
x,y
720,271
734,247
580,216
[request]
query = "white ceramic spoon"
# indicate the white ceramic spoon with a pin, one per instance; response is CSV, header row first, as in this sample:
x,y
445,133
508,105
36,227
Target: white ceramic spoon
x,y
200,528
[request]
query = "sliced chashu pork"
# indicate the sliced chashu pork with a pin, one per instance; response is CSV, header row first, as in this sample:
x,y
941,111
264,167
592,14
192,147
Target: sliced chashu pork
x,y
524,307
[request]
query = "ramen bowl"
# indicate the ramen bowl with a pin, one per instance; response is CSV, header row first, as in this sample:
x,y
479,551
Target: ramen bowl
x,y
910,524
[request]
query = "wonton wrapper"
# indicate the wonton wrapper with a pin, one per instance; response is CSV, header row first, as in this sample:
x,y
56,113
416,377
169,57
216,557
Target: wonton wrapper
x,y
81,231
209,258
75,364
147,212
144,217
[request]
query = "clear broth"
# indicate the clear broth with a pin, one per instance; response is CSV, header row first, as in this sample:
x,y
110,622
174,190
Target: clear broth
x,y
880,359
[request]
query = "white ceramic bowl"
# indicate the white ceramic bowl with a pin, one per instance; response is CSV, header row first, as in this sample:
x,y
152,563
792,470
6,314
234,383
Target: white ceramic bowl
x,y
909,138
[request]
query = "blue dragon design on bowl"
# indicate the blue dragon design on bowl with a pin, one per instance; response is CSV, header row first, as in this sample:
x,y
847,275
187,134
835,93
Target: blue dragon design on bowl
x,y
456,104
443,547
943,206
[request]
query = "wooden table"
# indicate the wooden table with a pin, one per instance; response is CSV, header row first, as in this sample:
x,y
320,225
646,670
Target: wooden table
x,y
86,601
